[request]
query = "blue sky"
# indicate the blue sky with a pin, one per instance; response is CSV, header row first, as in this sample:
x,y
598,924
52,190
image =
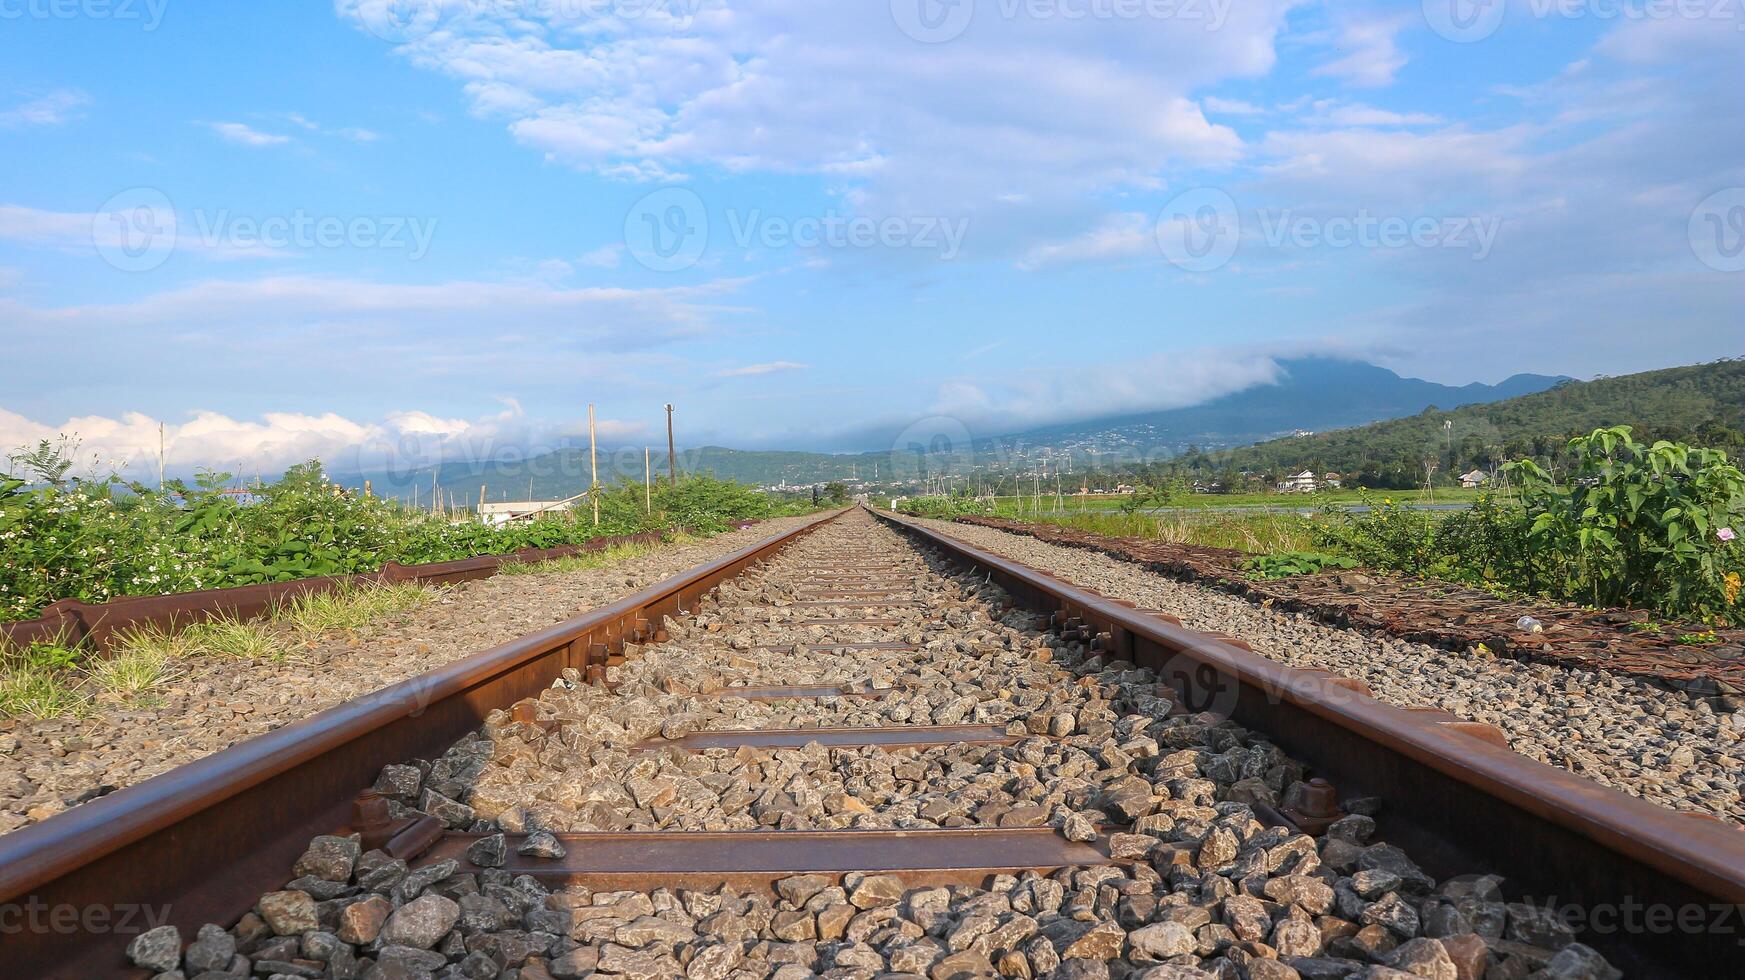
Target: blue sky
x,y
286,228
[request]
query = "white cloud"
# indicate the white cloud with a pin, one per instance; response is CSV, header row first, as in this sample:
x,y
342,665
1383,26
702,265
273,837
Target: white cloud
x,y
1231,107
1018,107
621,317
758,370
242,134
358,134
1333,113
1015,400
604,257
1120,236
83,232
1369,55
400,442
54,109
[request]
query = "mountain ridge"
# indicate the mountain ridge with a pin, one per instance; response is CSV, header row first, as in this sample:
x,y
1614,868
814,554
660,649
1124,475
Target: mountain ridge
x,y
1311,393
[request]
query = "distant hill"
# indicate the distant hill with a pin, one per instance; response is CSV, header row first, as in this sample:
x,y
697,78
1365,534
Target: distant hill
x,y
1313,393
1703,403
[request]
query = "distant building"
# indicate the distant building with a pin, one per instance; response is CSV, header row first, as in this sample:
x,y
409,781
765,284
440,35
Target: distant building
x,y
1475,479
1333,480
1303,482
504,511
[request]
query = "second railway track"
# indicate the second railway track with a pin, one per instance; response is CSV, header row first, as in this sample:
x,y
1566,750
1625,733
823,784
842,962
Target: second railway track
x,y
879,752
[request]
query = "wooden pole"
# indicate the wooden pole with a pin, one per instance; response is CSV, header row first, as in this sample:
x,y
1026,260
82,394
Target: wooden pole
x,y
160,456
672,456
593,466
647,482
481,498
367,489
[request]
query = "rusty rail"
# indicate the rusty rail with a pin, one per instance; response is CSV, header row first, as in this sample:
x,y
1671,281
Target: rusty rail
x,y
206,839
94,624
1457,803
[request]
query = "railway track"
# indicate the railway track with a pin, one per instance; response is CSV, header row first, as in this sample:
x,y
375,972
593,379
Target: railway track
x,y
866,749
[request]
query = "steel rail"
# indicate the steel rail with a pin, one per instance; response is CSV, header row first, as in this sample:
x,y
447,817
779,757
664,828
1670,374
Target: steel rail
x,y
1457,803
206,839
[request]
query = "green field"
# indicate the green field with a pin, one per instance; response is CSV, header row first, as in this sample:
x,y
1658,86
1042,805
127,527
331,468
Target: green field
x,y
1072,503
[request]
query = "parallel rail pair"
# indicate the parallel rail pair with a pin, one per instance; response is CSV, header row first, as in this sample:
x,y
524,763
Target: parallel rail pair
x,y
205,840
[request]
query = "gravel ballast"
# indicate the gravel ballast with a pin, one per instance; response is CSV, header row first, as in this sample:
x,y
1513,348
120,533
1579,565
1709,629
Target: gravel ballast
x,y
1198,888
50,765
1656,744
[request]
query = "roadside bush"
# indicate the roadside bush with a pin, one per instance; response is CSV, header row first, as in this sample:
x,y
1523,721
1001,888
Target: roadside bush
x,y
1648,526
99,540
1387,535
1653,527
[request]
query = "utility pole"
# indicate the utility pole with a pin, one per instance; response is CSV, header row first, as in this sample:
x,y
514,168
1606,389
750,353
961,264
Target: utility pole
x,y
672,455
593,466
160,457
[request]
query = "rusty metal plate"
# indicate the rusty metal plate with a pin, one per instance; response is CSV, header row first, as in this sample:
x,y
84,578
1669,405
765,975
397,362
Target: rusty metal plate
x,y
846,622
852,604
799,692
890,737
828,647
758,858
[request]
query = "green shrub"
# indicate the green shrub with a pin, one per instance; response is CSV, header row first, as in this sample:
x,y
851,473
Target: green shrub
x,y
1647,526
1650,527
1389,535
99,540
1287,563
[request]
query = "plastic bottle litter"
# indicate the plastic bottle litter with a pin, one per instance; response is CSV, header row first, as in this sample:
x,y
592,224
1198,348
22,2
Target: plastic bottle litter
x,y
1530,624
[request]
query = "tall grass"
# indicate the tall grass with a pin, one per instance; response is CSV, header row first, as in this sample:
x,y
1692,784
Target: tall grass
x,y
581,562
1261,533
350,607
33,680
48,680
133,672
